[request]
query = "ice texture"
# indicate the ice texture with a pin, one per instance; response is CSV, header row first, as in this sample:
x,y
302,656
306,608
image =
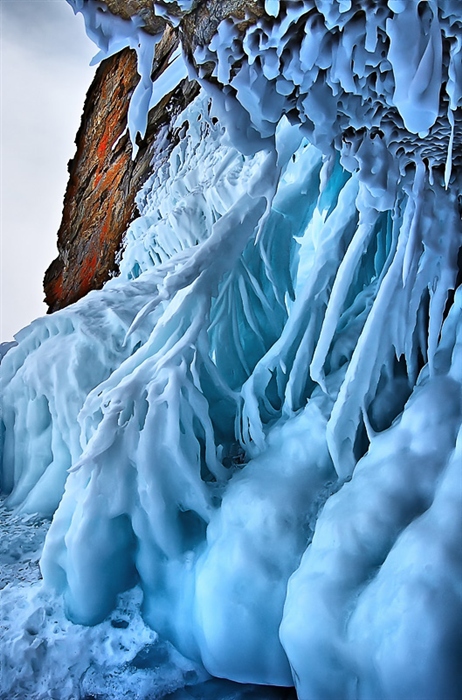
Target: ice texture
x,y
369,80
4,347
258,423
44,656
112,34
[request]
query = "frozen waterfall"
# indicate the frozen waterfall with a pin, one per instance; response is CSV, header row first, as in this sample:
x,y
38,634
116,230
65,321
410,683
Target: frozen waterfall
x,y
258,423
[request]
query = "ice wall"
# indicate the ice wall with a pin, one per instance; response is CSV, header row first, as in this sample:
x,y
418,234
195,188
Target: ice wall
x,y
269,440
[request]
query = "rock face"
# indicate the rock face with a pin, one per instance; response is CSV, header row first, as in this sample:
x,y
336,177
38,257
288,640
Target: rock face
x,y
100,199
142,8
99,203
198,26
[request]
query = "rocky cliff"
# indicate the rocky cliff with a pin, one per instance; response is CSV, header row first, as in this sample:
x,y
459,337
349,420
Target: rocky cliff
x,y
104,178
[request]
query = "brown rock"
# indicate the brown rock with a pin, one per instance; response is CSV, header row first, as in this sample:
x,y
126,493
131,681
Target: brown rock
x,y
198,27
100,199
143,8
99,203
95,209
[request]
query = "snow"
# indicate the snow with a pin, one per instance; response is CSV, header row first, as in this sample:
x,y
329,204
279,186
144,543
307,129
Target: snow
x,y
45,656
381,554
4,347
59,659
255,428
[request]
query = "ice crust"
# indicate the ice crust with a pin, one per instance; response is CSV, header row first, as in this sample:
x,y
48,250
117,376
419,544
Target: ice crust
x,y
363,78
44,656
258,422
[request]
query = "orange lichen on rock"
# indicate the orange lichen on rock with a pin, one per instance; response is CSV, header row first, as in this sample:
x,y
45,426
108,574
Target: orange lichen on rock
x,y
99,203
95,216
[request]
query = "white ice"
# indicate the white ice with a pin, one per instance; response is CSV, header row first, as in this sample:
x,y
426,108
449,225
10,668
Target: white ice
x,y
256,426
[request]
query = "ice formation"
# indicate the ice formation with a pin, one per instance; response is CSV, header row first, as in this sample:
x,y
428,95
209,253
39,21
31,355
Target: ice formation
x,y
259,420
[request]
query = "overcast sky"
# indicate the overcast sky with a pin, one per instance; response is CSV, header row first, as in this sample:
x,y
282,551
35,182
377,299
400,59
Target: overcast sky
x,y
44,78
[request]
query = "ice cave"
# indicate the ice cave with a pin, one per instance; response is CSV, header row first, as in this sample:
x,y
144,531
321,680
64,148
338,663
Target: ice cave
x,y
244,452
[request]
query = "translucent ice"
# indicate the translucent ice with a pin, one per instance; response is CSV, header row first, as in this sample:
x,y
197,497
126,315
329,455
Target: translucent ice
x,y
267,440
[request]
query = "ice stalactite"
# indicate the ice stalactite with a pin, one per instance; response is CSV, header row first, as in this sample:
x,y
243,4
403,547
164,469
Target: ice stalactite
x,y
112,34
381,540
269,444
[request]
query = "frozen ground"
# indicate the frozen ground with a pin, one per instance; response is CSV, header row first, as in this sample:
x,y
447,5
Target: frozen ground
x,y
119,658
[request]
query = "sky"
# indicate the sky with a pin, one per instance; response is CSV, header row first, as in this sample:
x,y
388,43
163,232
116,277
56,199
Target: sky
x,y
45,73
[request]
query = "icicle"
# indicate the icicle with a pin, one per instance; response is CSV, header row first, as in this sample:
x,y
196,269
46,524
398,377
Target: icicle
x,y
208,464
340,289
412,244
448,165
272,7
